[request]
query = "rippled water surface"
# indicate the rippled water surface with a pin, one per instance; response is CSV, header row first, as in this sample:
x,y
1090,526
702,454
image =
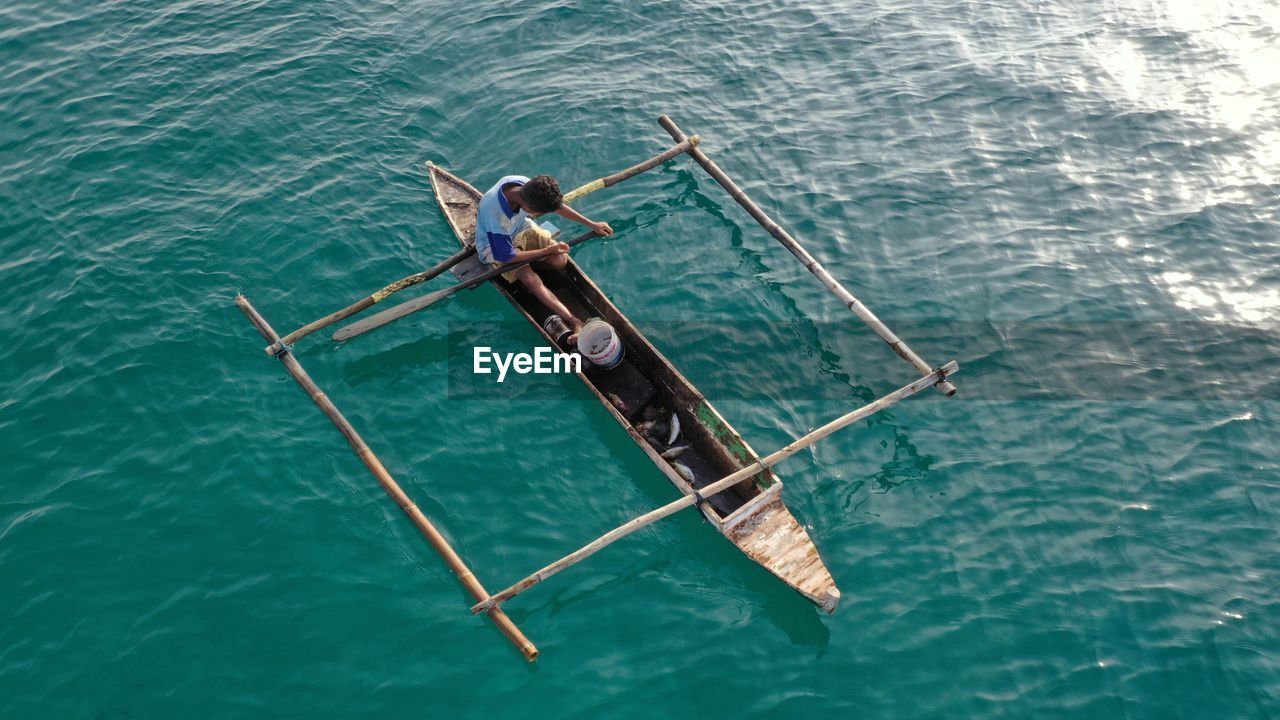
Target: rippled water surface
x,y
1076,200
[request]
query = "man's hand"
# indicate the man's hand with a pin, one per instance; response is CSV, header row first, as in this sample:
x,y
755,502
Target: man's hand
x,y
601,228
558,249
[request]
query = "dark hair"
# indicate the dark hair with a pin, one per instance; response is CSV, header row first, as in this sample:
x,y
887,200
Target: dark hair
x,y
542,194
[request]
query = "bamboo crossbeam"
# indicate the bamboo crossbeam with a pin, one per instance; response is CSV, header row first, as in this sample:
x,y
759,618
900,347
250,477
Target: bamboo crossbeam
x,y
684,145
370,301
492,603
360,306
390,315
420,521
810,263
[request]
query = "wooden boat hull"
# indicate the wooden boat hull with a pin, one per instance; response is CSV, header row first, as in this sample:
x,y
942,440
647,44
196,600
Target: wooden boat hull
x,y
752,515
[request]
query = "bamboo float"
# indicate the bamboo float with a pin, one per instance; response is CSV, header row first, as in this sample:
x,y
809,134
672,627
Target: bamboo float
x,y
390,315
810,263
417,278
433,536
491,603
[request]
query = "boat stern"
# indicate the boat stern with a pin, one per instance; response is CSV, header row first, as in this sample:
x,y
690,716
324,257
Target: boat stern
x,y
769,534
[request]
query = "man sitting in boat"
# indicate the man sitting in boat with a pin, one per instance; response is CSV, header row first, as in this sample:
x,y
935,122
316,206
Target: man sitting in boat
x,y
506,233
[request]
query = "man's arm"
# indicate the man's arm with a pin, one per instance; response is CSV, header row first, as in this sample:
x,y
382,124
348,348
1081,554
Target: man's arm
x,y
570,214
530,255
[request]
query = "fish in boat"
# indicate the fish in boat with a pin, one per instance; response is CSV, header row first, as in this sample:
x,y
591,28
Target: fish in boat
x,y
675,452
645,385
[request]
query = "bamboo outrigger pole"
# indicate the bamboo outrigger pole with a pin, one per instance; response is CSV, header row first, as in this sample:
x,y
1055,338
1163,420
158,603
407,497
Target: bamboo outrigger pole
x,y
810,263
433,536
684,145
491,604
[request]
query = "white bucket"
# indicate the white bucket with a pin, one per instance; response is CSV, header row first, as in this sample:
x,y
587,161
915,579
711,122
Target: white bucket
x,y
598,342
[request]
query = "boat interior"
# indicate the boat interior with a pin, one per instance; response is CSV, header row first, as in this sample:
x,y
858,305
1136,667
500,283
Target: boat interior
x,y
646,390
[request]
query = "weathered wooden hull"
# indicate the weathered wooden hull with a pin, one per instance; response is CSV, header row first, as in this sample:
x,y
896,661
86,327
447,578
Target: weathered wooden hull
x,y
752,515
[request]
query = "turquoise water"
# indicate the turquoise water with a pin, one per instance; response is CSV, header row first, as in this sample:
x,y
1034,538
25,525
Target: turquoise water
x,y
1077,201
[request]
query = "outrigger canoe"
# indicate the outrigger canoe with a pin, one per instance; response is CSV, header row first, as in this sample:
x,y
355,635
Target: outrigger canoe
x,y
716,471
752,515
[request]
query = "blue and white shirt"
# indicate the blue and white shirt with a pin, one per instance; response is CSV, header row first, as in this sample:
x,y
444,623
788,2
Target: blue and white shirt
x,y
496,224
